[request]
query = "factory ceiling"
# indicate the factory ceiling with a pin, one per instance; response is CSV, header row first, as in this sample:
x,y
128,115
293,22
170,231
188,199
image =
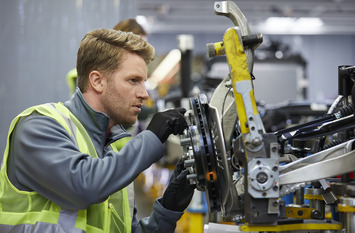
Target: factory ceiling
x,y
266,16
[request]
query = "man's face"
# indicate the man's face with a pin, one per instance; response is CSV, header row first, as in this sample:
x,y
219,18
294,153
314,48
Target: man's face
x,y
125,91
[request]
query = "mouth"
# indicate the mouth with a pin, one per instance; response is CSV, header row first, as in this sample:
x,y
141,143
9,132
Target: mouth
x,y
138,107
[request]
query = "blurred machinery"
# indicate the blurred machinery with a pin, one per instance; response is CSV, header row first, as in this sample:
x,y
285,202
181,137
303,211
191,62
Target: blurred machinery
x,y
247,170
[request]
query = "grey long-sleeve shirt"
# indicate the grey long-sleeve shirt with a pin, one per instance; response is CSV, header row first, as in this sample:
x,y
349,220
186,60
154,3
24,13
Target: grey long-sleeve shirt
x,y
43,158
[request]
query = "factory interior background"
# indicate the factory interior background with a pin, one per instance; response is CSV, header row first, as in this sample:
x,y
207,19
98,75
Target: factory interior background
x,y
39,40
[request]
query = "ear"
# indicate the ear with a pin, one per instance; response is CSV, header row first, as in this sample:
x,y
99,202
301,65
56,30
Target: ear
x,y
96,81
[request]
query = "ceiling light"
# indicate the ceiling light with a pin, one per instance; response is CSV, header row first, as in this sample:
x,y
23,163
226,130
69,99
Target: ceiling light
x,y
292,25
141,19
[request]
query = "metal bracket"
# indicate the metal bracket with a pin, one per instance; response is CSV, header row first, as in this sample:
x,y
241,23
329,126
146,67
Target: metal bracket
x,y
331,162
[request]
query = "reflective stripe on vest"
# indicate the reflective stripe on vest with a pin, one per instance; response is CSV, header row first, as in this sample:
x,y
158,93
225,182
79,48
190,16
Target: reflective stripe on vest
x,y
22,211
127,222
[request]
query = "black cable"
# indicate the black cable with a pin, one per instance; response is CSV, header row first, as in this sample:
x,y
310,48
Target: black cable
x,y
310,126
327,128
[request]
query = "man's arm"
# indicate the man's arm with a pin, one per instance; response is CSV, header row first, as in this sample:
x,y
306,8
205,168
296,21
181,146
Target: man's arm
x,y
44,158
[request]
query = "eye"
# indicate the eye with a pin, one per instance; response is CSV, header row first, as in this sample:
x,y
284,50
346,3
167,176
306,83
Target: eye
x,y
133,80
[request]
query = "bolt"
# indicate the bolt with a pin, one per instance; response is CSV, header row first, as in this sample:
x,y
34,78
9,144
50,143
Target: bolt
x,y
189,162
315,214
191,176
256,141
261,177
185,141
300,213
274,149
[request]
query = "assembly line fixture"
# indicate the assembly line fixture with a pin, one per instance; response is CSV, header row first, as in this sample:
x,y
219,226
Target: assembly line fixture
x,y
245,171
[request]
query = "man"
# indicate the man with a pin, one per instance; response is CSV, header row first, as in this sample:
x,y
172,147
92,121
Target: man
x,y
61,170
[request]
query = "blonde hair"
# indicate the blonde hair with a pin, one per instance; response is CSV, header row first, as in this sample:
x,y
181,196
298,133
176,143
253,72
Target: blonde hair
x,y
103,50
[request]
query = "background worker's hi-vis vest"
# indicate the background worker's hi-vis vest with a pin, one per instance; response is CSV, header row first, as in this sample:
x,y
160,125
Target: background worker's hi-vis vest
x,y
22,211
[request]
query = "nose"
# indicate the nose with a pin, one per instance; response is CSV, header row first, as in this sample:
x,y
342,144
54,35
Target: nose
x,y
142,92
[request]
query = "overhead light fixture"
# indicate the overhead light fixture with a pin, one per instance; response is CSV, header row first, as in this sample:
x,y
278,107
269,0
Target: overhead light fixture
x,y
145,22
309,22
141,19
292,25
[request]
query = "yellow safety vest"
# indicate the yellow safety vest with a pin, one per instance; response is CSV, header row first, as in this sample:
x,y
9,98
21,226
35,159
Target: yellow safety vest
x,y
23,211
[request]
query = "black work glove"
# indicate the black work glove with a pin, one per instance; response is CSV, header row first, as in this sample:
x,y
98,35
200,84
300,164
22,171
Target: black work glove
x,y
169,122
179,192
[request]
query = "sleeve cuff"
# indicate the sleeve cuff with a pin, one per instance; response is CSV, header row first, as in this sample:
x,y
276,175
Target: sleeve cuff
x,y
170,214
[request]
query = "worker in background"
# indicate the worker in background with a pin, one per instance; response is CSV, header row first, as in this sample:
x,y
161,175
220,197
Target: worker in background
x,y
60,170
131,25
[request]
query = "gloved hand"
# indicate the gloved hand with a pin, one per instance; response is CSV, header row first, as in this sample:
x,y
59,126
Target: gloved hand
x,y
169,122
179,192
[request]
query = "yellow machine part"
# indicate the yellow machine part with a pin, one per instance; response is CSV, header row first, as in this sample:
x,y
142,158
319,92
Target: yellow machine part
x,y
298,212
292,227
238,64
344,208
219,48
190,223
313,197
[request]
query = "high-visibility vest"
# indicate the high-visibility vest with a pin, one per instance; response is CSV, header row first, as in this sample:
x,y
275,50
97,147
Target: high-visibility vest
x,y
24,211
